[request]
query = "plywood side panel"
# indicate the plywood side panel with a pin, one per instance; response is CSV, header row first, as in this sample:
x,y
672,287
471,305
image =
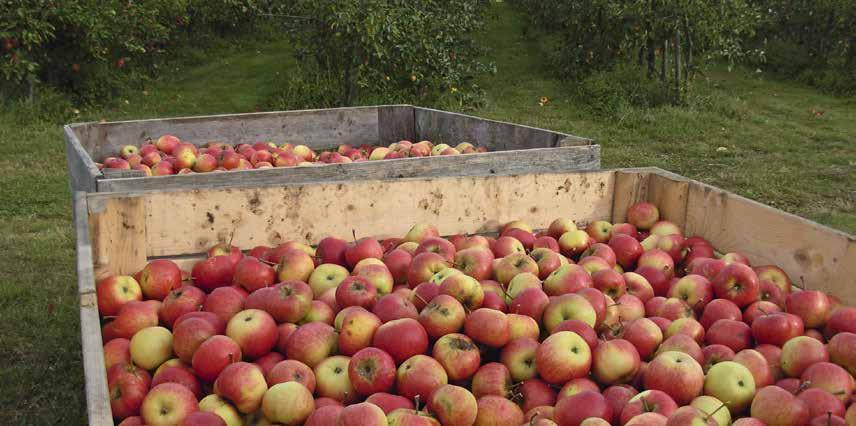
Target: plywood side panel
x,y
315,128
820,257
395,123
669,194
179,223
118,232
630,187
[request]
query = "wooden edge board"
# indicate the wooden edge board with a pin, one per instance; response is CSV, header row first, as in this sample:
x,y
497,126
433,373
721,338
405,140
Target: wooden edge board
x,y
537,160
80,216
82,171
118,230
522,126
631,186
670,196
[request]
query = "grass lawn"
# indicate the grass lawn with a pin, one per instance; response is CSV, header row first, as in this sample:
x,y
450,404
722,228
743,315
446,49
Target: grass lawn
x,y
786,145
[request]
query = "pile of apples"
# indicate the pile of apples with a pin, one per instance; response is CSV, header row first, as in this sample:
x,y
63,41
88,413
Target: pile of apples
x,y
169,155
614,324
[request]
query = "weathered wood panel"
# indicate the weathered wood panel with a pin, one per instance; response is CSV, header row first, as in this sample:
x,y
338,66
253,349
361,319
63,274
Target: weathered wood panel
x,y
82,171
118,231
317,129
545,160
452,128
822,258
631,186
669,193
395,123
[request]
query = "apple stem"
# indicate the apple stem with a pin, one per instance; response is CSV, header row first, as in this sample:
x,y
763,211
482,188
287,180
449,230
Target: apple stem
x,y
416,402
354,235
614,304
268,262
231,237
714,411
645,405
421,299
803,386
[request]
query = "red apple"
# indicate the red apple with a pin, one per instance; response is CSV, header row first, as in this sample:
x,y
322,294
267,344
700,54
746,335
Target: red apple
x,y
571,411
371,370
420,375
114,292
312,343
225,302
401,339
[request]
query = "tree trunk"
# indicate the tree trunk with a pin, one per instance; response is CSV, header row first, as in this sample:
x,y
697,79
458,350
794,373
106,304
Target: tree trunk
x,y
664,65
677,99
649,43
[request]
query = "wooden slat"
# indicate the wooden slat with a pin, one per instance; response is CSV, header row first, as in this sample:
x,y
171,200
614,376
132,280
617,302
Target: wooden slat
x,y
395,123
178,223
489,163
316,128
630,187
82,171
118,232
821,257
669,193
451,128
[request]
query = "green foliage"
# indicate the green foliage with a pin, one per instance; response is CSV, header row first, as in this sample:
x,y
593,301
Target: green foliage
x,y
619,89
390,50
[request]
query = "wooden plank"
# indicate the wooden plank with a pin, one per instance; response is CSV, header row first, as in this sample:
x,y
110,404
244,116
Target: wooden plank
x,y
820,257
317,129
179,223
631,186
122,174
669,193
543,160
452,128
97,396
82,171
118,231
395,123
80,216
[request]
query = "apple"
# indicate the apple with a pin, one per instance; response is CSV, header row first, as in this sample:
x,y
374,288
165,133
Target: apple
x,y
117,351
311,343
731,383
356,291
776,275
519,357
168,403
180,301
294,264
463,288
242,383
190,334
638,286
158,278
213,272
442,316
571,411
757,364
420,375
659,281
458,355
401,339
810,305
643,215
714,354
842,351
288,403
488,327
214,355
363,248
332,379
657,259
492,378
682,343
290,370
737,283
498,411
397,262
389,402
423,267
203,418
800,353
114,291
360,414
696,290
476,262
677,374
776,328
394,306
252,274
648,419
734,334
547,242
331,250
509,266
674,309
649,401
536,393
530,302
420,232
713,408
615,362
254,330
689,415
567,279
610,283
618,396
225,302
572,243
320,311
827,420
842,319
371,370
626,248
357,330
599,230
127,386
325,277
687,326
644,335
758,309
830,378
453,405
563,356
719,309
150,347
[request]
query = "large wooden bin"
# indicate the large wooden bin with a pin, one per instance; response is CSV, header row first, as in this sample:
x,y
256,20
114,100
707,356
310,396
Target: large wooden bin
x,y
513,148
119,232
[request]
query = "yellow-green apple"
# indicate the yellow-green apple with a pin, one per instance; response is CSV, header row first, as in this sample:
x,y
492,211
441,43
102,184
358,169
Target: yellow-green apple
x,y
167,143
357,330
443,315
561,226
453,405
290,370
464,289
180,301
319,311
842,351
181,375
776,328
563,356
687,326
438,245
443,274
168,404
526,238
225,302
288,403
719,309
150,347
776,406
394,306
536,393
379,153
734,257
509,266
521,282
530,302
254,330
492,378
127,386
593,264
519,357
389,402
547,242
618,396
629,308
325,277
332,380
627,249
522,326
398,261
755,362
474,241
649,401
731,383
645,336
252,274
547,261
488,327
363,248
311,343
401,339
567,279
566,307
599,230
673,245
420,232
420,375
677,374
371,370
810,305
331,250
458,355
497,411
117,351
519,224
423,267
638,286
304,152
664,227
682,343
714,408
615,362
377,275
643,215
831,378
158,278
776,275
609,282
798,354
572,243
738,283
576,408
696,290
294,264
185,156
115,291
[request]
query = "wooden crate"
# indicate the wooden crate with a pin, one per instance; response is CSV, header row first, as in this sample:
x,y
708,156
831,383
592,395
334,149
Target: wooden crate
x,y
545,151
119,232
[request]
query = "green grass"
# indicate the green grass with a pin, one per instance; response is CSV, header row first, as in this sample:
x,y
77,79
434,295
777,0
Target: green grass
x,y
778,151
